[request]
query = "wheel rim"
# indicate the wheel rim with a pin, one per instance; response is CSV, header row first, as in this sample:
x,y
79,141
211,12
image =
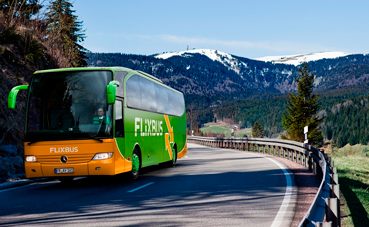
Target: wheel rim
x,y
135,163
174,155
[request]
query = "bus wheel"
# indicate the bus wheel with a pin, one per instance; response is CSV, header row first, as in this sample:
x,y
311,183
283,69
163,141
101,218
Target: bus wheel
x,y
65,180
172,163
135,164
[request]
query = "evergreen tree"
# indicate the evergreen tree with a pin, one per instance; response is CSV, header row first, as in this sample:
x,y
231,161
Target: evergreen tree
x,y
257,130
66,33
302,109
19,10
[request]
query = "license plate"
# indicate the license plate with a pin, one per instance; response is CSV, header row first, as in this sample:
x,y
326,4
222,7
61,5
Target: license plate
x,y
64,170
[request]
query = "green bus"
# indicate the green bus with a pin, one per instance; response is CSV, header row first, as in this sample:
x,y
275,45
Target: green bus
x,y
100,121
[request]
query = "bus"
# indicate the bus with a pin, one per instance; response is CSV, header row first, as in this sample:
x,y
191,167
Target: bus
x,y
99,121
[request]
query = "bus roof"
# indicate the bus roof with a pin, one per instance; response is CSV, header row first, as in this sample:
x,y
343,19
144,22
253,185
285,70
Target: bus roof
x,y
114,69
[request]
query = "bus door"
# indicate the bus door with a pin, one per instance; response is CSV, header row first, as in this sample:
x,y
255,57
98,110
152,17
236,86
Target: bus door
x,y
119,124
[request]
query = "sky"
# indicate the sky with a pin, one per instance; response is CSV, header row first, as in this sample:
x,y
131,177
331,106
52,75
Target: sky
x,y
250,29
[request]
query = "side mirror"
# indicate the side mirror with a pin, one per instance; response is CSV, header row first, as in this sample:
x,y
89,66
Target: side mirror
x,y
13,95
111,91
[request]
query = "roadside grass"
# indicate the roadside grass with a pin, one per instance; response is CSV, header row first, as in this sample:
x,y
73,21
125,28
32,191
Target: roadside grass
x,y
217,129
352,164
222,129
242,132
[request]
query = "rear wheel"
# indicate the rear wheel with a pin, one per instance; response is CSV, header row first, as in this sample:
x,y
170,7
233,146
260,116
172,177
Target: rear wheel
x,y
172,162
136,164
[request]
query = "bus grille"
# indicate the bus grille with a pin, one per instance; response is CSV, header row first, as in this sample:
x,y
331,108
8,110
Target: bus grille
x,y
72,158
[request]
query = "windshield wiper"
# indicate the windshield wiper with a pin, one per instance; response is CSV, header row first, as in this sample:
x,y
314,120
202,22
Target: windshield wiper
x,y
65,138
94,138
34,142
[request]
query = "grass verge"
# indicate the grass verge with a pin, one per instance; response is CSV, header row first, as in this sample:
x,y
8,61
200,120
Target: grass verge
x,y
352,164
222,129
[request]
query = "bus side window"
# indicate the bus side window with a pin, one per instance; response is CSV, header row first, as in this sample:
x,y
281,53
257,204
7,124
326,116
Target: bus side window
x,y
133,92
119,119
119,76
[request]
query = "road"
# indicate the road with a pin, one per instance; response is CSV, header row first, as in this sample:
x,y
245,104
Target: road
x,y
208,187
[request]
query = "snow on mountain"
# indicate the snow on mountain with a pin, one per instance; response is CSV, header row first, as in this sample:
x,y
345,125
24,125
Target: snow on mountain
x,y
215,55
300,58
234,64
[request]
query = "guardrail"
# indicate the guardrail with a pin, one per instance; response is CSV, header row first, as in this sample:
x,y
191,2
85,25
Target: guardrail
x,y
325,210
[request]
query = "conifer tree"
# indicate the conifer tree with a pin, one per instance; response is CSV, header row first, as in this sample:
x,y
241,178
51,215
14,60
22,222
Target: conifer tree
x,y
302,109
19,10
257,130
66,33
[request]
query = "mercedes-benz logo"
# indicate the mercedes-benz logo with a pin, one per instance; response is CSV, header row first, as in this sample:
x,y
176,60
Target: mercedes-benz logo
x,y
64,159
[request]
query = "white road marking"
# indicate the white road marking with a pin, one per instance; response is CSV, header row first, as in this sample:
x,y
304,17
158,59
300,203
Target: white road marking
x,y
8,189
135,189
287,195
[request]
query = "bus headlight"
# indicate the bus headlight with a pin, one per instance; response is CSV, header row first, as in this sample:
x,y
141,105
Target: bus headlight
x,y
102,156
30,158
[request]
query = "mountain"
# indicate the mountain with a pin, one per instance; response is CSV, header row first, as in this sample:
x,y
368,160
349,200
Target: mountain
x,y
240,90
298,59
208,73
215,75
226,59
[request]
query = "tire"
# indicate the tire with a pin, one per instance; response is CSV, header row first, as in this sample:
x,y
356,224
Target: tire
x,y
136,164
172,162
65,180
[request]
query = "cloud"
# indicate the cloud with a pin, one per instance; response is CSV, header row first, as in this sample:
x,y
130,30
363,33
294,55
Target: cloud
x,y
273,46
241,47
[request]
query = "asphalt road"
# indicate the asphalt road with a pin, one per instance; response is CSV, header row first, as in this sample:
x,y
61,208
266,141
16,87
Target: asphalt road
x,y
208,187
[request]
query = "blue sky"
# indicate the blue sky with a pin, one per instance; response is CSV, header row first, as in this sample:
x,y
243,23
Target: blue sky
x,y
249,29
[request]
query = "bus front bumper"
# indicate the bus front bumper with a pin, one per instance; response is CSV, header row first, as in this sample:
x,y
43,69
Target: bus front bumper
x,y
98,167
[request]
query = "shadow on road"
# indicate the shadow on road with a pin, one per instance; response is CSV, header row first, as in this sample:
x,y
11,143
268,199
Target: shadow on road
x,y
176,192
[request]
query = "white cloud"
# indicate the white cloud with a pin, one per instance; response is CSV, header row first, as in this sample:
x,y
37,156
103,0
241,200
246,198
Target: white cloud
x,y
239,47
280,47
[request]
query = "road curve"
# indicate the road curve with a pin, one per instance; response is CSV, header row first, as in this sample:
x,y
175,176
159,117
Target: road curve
x,y
208,187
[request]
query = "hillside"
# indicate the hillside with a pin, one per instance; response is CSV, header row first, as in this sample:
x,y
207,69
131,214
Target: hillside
x,y
27,44
219,75
241,90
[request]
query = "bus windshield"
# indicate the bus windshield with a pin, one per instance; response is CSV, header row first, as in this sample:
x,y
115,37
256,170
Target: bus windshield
x,y
69,105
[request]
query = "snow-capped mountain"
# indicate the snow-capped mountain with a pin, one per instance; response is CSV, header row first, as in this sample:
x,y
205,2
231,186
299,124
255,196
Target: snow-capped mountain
x,y
226,59
300,58
206,73
234,64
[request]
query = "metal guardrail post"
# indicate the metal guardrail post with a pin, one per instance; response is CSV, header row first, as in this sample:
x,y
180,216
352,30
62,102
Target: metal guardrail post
x,y
273,150
332,210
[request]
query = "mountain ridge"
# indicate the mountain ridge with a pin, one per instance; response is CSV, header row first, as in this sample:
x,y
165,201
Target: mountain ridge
x,y
217,75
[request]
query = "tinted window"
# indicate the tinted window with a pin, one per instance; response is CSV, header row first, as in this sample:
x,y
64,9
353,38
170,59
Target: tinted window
x,y
133,92
148,97
118,119
119,76
161,99
176,103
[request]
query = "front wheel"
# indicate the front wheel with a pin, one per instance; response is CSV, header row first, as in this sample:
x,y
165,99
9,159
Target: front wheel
x,y
136,164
